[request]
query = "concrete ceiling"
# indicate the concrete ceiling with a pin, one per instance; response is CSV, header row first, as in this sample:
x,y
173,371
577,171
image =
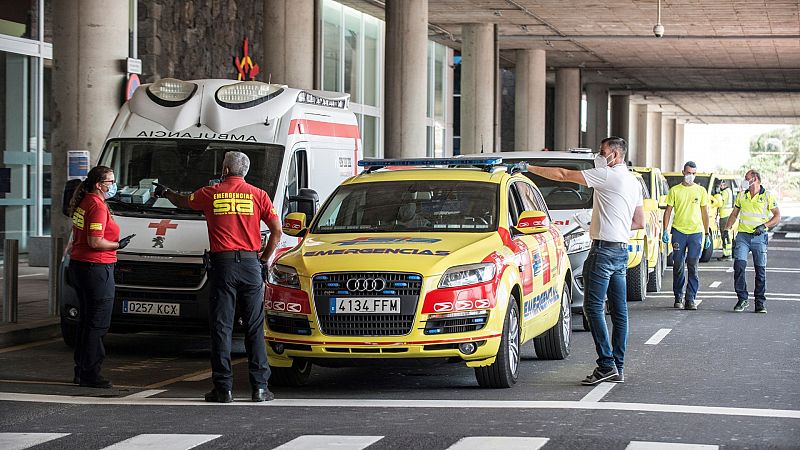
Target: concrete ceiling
x,y
720,61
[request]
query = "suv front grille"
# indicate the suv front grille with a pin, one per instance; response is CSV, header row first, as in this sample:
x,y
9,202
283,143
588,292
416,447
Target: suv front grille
x,y
329,286
148,274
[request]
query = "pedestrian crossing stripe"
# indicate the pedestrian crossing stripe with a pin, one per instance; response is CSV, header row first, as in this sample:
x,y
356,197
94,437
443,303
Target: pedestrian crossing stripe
x,y
22,441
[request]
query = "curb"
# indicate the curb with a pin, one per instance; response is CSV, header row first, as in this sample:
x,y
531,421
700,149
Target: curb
x,y
16,334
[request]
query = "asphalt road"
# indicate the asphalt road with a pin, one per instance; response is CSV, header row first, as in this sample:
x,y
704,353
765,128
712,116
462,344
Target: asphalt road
x,y
707,377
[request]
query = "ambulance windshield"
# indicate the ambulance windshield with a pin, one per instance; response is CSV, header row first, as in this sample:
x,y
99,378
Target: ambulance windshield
x,y
182,165
426,205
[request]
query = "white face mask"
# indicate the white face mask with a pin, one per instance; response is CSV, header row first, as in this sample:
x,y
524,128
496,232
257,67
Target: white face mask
x,y
689,178
600,161
745,185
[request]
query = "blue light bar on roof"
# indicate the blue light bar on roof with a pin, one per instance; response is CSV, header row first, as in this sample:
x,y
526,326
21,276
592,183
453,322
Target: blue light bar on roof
x,y
487,161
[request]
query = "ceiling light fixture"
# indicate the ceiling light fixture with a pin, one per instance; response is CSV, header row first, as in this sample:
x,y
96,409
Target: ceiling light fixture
x,y
658,29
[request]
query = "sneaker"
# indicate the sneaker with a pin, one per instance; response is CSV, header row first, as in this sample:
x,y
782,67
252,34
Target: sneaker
x,y
619,378
598,375
678,304
690,305
761,309
741,305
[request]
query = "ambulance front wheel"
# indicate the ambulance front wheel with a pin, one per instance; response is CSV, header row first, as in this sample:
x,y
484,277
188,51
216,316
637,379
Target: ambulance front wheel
x,y
294,376
503,373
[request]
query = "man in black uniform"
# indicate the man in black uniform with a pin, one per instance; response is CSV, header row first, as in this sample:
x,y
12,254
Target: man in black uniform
x,y
234,210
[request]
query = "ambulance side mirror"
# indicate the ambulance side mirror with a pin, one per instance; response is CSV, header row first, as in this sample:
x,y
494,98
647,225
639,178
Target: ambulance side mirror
x,y
69,189
295,224
307,201
533,222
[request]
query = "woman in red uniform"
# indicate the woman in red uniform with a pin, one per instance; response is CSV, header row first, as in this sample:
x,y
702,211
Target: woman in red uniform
x,y
95,241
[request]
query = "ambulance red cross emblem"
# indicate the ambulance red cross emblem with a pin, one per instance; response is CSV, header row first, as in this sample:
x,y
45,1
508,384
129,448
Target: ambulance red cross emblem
x,y
163,226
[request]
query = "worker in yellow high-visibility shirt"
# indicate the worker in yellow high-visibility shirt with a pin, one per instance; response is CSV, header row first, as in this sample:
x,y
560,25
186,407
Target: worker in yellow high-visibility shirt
x,y
725,199
757,210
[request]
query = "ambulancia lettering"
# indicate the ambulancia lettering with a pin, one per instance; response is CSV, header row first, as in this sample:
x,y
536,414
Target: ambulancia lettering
x,y
187,135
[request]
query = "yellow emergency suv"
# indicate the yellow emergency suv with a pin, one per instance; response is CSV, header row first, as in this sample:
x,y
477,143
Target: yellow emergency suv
x,y
644,249
708,181
657,188
453,259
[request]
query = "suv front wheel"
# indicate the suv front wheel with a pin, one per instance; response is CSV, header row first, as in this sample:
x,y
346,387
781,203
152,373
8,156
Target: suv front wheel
x,y
503,373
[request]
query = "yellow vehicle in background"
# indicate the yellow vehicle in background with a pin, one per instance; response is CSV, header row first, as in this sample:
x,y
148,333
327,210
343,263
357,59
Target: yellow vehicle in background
x,y
644,254
733,185
707,180
657,187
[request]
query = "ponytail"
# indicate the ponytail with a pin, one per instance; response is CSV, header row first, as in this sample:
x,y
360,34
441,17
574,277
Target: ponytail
x,y
87,185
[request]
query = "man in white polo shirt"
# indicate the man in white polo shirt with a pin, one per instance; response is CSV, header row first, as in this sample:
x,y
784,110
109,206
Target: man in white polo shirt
x,y
617,210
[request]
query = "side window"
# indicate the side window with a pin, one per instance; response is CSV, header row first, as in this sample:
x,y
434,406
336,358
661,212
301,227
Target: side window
x,y
297,177
532,199
514,204
645,192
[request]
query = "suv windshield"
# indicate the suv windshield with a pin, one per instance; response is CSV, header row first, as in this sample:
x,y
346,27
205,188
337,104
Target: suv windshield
x,y
184,166
427,205
562,195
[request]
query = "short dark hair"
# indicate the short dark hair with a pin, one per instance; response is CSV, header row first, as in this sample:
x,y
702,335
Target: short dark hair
x,y
755,174
690,164
616,143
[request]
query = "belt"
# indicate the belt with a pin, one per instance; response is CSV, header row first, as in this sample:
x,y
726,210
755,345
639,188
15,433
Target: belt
x,y
89,264
609,244
235,254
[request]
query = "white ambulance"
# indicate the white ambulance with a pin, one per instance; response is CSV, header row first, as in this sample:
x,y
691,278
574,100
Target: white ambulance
x,y
177,133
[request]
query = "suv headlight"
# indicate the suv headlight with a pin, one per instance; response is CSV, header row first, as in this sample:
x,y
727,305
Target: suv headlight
x,y
467,275
577,241
284,276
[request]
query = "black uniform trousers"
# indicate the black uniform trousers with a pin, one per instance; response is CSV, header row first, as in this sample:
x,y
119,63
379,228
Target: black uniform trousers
x,y
94,284
236,277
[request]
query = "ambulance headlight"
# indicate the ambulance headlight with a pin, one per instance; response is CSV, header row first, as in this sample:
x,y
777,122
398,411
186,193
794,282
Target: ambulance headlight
x,y
285,276
171,92
467,275
577,241
246,94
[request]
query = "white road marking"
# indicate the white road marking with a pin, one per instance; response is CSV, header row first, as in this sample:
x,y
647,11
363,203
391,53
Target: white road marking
x,y
163,441
715,284
431,404
598,392
20,441
147,393
656,338
499,443
313,442
785,249
749,269
722,295
791,236
644,445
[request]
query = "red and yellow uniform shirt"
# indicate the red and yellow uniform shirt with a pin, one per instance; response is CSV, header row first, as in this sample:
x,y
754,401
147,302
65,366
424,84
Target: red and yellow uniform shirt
x,y
92,218
234,210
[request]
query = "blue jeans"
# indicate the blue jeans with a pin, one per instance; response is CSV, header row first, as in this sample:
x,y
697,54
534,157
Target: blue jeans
x,y
747,243
604,275
237,282
686,249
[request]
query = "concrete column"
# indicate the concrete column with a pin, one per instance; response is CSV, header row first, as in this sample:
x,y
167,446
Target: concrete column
x,y
530,93
667,143
680,157
448,99
596,115
642,139
477,88
654,138
406,79
288,41
620,116
90,39
567,109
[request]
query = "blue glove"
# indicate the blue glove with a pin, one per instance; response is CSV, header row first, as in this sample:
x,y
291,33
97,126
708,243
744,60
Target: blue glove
x,y
665,237
707,241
